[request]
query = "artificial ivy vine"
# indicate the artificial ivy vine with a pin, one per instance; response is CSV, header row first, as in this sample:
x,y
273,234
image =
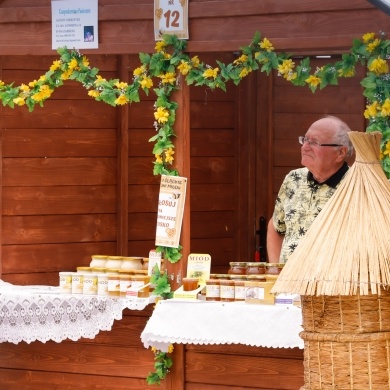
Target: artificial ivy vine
x,y
170,60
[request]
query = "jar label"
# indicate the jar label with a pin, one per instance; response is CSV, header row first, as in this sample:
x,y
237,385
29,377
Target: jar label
x,y
77,284
227,292
90,284
113,285
240,292
103,287
124,285
212,291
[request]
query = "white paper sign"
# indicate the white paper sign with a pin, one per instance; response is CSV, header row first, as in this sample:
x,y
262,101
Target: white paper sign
x,y
74,24
170,17
170,210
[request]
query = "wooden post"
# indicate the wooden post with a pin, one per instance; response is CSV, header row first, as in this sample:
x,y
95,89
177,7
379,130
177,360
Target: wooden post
x,y
176,271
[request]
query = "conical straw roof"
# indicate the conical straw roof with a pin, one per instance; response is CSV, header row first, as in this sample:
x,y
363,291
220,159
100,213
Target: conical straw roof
x,y
346,250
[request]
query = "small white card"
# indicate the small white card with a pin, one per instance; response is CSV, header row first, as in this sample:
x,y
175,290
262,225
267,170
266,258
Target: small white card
x,y
170,17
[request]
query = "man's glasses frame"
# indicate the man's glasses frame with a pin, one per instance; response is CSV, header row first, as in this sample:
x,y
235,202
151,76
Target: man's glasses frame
x,y
303,140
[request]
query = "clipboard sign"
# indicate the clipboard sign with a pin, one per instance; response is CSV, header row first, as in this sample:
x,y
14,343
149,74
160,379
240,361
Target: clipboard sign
x,y
170,17
171,203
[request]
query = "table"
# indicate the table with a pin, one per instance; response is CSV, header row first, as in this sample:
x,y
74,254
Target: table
x,y
41,313
208,322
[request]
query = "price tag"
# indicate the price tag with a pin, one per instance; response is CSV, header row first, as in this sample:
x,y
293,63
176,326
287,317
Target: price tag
x,y
170,17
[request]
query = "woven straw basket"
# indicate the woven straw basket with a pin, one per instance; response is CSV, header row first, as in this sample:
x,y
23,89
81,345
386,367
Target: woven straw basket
x,y
346,361
349,314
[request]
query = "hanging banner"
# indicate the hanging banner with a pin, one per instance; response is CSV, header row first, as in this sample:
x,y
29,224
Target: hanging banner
x,y
171,17
74,24
171,202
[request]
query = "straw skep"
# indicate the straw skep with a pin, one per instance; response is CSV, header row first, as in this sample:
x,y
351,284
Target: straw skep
x,y
346,251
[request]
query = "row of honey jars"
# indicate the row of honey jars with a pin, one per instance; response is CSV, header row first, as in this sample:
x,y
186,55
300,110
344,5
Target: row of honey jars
x,y
231,288
254,268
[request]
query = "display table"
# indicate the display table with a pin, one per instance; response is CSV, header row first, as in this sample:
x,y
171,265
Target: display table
x,y
41,313
206,322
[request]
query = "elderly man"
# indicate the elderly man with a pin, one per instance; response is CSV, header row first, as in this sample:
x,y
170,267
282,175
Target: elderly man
x,y
304,191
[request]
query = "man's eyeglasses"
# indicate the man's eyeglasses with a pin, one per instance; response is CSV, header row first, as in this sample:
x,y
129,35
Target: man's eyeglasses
x,y
303,140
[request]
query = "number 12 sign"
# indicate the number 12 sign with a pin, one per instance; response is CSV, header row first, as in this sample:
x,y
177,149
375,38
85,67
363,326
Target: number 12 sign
x,y
170,17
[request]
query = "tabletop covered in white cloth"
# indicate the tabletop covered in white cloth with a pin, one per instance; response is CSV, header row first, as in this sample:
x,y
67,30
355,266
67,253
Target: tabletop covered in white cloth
x,y
207,322
41,313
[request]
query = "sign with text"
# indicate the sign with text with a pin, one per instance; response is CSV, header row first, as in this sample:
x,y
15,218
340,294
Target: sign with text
x,y
74,24
171,202
170,17
199,266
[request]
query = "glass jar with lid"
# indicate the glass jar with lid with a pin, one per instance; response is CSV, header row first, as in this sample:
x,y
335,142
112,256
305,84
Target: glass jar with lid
x,y
114,262
213,290
239,287
226,290
255,268
98,261
131,263
273,268
237,267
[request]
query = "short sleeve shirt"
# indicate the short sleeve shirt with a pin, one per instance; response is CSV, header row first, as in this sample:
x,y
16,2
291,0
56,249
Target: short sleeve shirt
x,y
299,201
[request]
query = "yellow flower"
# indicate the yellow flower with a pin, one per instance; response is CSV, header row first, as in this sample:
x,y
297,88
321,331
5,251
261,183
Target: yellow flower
x,y
372,110
208,73
158,159
19,101
170,348
167,56
240,59
286,66
24,88
44,93
66,74
93,93
85,61
1,83
138,71
56,65
121,100
32,83
146,82
121,85
168,78
387,149
266,45
386,108
372,45
184,67
195,61
313,80
154,349
99,80
42,78
368,37
169,155
161,115
378,66
244,72
73,64
160,45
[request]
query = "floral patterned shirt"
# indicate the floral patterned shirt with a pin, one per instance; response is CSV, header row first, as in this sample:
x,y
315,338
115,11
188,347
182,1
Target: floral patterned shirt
x,y
299,201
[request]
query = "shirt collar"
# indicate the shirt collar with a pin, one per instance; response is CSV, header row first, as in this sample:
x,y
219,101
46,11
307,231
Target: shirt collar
x,y
332,181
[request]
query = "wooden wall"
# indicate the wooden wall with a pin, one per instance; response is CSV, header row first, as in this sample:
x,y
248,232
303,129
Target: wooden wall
x,y
77,175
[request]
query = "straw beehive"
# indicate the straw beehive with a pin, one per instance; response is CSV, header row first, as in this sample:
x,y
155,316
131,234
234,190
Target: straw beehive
x,y
341,268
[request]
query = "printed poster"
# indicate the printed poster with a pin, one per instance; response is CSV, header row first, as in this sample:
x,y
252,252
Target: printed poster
x,y
74,24
171,202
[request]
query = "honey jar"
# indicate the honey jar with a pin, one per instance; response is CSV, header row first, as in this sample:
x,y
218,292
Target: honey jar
x,y
124,283
213,290
227,290
273,268
190,284
239,287
256,268
237,268
138,281
113,284
98,261
114,262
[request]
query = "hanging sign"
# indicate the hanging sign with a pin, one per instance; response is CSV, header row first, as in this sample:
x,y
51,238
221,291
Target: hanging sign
x,y
171,202
171,17
74,24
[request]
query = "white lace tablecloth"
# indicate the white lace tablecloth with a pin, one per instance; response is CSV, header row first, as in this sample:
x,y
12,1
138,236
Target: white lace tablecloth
x,y
41,313
206,322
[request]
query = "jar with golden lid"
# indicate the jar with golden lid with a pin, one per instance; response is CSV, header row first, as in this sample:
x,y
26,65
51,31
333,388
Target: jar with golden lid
x,y
238,277
124,283
98,261
131,263
114,262
256,278
237,268
113,284
84,269
226,290
255,268
213,287
239,287
141,283
273,268
98,270
219,276
112,271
